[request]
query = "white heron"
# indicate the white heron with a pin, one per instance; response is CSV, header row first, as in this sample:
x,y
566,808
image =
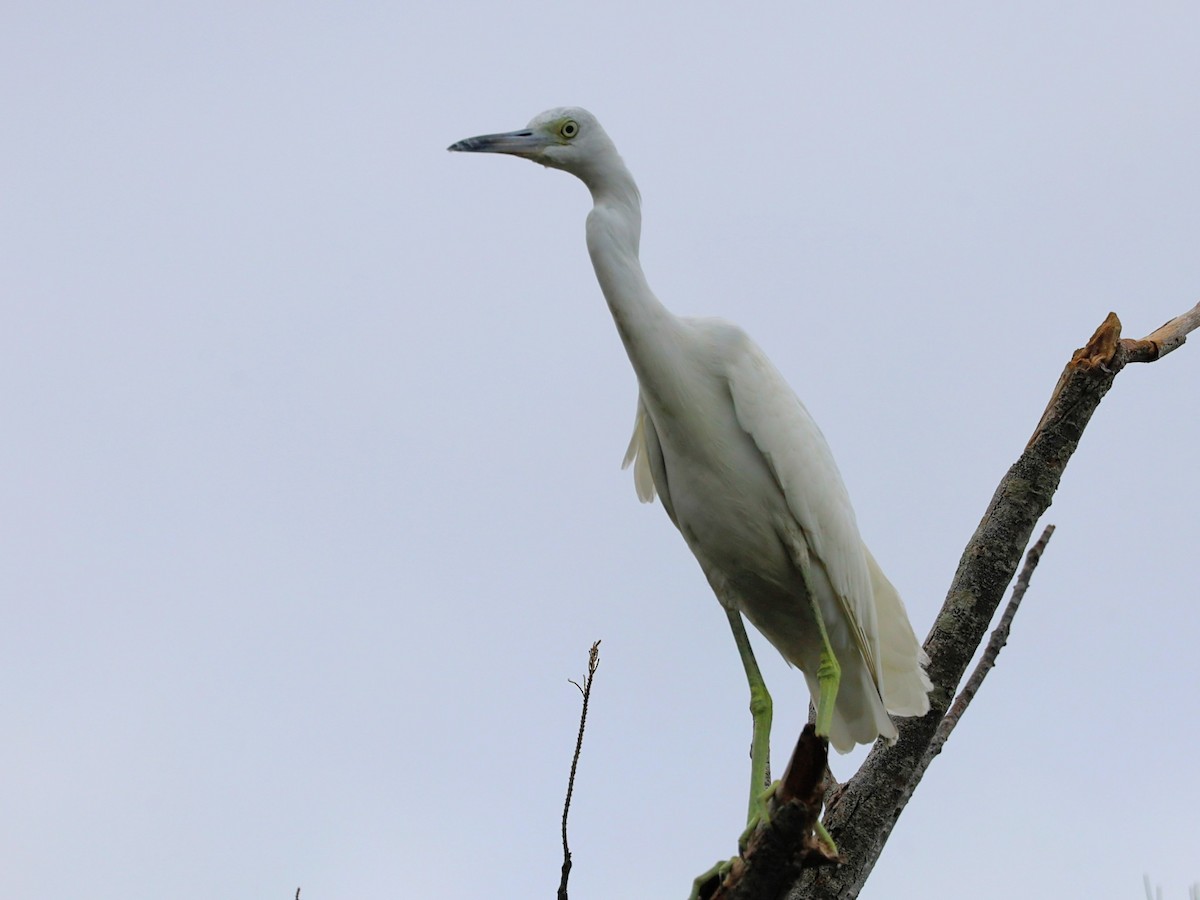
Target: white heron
x,y
743,472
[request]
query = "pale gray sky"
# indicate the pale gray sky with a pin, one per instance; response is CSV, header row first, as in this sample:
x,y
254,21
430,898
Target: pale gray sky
x,y
311,498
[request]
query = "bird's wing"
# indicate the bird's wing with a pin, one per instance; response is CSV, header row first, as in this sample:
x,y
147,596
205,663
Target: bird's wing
x,y
638,455
803,466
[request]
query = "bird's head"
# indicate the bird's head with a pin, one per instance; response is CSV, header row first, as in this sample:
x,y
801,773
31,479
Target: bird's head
x,y
567,138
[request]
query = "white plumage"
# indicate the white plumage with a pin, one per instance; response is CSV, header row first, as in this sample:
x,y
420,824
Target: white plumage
x,y
740,466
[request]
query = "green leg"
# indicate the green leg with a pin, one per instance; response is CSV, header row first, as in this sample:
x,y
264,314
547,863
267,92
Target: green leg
x,y
829,676
760,713
760,743
719,871
829,673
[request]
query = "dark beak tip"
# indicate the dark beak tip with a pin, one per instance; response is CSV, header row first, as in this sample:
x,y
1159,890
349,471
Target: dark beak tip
x,y
468,145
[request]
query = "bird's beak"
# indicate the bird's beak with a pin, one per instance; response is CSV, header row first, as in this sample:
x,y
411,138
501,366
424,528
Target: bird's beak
x,y
516,143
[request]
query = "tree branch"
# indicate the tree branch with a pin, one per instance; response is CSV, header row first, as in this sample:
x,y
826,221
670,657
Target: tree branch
x,y
995,644
586,690
862,817
1163,340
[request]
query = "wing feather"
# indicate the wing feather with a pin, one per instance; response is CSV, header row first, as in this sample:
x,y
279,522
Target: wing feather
x,y
639,456
803,466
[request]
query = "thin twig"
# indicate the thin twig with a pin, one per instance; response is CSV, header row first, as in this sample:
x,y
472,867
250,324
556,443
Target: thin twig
x,y
995,643
586,690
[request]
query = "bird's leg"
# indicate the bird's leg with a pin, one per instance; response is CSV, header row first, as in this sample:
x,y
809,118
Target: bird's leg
x,y
829,676
760,748
760,713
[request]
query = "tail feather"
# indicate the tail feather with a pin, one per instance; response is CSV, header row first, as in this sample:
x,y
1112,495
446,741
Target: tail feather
x,y
902,660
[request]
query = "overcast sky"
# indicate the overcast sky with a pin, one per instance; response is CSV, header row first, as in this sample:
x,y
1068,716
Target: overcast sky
x,y
310,499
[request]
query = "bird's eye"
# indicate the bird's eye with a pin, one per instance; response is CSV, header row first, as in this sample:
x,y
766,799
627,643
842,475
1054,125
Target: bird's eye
x,y
569,129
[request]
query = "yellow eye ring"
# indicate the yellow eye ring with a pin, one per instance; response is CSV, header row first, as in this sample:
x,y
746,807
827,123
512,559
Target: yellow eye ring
x,y
569,129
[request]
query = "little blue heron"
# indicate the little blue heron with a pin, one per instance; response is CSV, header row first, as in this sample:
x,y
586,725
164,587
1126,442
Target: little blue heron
x,y
743,472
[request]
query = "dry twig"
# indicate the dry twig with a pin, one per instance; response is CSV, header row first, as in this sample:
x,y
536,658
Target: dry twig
x,y
586,690
995,643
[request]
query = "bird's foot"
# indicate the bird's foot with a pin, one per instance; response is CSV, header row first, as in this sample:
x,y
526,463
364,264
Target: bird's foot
x,y
762,815
705,885
713,876
824,838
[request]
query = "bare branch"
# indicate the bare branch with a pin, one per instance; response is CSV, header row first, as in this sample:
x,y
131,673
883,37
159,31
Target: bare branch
x,y
862,816
1163,340
586,690
997,641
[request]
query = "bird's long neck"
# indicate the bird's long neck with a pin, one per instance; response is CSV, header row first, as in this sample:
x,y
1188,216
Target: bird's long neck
x,y
614,229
